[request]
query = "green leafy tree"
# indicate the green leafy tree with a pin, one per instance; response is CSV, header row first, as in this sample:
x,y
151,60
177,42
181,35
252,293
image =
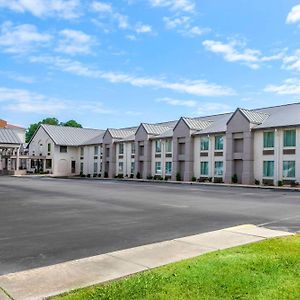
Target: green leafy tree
x,y
72,123
49,121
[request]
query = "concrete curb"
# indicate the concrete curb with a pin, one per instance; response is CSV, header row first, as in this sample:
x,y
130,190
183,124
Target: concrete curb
x,y
56,279
276,188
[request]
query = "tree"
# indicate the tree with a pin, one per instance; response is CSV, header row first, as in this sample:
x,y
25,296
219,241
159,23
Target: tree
x,y
71,123
50,121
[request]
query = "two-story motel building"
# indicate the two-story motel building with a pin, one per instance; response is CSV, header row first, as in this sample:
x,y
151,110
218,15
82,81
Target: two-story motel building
x,y
261,145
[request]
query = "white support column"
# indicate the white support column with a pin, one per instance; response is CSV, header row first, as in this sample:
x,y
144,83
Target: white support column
x,y
18,159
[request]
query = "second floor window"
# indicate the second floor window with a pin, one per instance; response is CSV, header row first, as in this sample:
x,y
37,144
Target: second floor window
x,y
63,149
96,150
49,147
121,148
219,142
81,151
168,146
132,148
158,146
289,138
269,139
204,143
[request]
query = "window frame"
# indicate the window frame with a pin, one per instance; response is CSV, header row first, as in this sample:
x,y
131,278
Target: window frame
x,y
207,168
266,139
155,168
284,138
221,137
294,168
204,149
273,169
216,168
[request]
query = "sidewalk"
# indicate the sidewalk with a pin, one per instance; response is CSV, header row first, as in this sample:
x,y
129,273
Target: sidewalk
x,y
52,280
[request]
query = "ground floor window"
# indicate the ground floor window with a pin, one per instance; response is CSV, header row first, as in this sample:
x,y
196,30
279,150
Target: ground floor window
x,y
168,168
95,167
48,163
289,169
158,167
121,167
81,167
218,168
204,168
268,168
132,167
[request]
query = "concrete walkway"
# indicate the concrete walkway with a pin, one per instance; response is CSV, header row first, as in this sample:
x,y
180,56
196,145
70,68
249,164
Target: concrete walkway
x,y
52,280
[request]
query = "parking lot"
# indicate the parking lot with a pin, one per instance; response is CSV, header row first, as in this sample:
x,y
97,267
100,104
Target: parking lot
x,y
44,221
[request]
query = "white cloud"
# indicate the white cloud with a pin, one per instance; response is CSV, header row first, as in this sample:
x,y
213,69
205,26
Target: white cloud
x,y
105,10
175,5
193,87
17,77
236,51
178,102
74,42
21,38
199,108
66,9
210,108
101,7
21,100
294,15
142,28
184,25
292,62
290,86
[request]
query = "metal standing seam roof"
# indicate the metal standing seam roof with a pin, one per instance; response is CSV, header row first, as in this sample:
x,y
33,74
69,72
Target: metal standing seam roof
x,y
197,124
9,136
219,124
280,116
94,141
71,136
154,129
254,117
122,133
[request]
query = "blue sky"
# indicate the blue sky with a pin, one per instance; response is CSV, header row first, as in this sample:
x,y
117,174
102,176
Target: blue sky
x,y
119,63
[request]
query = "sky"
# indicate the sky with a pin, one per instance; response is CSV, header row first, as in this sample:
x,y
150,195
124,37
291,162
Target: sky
x,y
112,64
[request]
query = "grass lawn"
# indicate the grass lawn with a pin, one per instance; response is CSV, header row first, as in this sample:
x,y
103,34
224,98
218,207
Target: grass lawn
x,y
264,270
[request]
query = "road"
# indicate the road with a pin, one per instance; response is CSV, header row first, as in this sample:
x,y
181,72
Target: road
x,y
44,221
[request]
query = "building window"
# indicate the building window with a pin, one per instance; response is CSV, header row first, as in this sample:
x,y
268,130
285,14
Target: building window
x,y
204,143
168,146
95,167
268,170
204,168
289,138
121,148
289,169
219,142
269,139
158,146
63,149
96,150
49,147
48,163
141,150
132,167
120,168
168,168
107,152
218,168
81,151
132,148
81,168
158,167
181,148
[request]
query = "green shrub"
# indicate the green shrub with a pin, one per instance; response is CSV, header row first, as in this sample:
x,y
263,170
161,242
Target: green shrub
x,y
234,179
138,175
194,179
178,177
